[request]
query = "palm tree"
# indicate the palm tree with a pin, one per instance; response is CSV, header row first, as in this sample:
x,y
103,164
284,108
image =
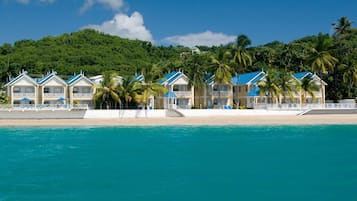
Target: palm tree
x,y
242,57
197,73
320,59
269,86
308,87
342,26
350,78
223,72
286,84
150,85
3,97
107,92
129,90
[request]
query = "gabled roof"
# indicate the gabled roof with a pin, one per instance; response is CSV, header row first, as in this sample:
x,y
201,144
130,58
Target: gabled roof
x,y
301,75
210,78
22,75
48,77
170,78
75,78
248,78
139,77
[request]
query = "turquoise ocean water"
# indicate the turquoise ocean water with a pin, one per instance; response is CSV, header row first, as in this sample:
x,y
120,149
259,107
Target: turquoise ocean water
x,y
179,163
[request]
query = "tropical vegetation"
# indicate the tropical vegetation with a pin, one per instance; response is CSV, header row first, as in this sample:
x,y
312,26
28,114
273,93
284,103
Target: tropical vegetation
x,y
331,57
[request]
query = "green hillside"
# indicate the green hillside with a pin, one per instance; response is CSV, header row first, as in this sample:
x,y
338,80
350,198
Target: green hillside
x,y
333,58
86,50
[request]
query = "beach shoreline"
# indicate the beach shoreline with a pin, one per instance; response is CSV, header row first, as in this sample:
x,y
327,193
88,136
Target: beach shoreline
x,y
189,121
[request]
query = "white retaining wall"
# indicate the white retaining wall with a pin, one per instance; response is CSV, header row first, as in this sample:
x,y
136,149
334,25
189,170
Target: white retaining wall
x,y
111,114
233,112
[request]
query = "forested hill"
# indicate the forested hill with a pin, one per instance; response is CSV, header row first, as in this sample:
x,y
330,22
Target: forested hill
x,y
332,57
86,50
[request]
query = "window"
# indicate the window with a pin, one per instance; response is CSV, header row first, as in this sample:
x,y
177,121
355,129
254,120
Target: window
x,y
46,90
75,90
86,90
180,88
29,90
17,89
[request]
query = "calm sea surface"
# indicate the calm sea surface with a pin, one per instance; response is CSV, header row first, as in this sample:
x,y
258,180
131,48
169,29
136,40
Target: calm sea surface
x,y
179,163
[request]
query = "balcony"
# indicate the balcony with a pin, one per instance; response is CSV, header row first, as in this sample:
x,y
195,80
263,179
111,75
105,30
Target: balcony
x,y
53,95
221,93
83,95
22,95
183,93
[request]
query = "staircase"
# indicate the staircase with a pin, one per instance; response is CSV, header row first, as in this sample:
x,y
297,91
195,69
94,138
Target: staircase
x,y
173,113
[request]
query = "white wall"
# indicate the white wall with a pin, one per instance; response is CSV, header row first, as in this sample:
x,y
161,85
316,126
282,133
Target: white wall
x,y
110,114
233,112
115,114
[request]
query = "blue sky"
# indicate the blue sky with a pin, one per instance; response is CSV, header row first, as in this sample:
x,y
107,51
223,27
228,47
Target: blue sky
x,y
184,22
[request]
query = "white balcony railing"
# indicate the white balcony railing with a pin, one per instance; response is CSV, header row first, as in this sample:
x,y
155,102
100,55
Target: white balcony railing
x,y
83,95
222,93
22,95
183,93
53,95
26,107
297,106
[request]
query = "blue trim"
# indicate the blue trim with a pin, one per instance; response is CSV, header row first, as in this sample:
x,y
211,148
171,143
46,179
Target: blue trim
x,y
170,95
254,92
301,75
139,77
247,78
23,74
73,79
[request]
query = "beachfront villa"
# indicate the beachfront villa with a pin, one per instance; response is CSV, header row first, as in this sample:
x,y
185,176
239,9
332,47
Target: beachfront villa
x,y
247,92
81,90
243,90
22,89
50,90
179,94
217,95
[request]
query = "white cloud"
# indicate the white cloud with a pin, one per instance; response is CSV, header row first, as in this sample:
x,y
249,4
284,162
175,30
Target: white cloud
x,y
207,38
112,4
125,26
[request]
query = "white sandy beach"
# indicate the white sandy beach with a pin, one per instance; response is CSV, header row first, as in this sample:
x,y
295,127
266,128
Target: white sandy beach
x,y
221,120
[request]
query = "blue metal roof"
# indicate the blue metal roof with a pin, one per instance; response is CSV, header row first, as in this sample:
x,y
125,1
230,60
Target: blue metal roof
x,y
139,77
247,78
209,77
47,77
301,75
23,74
254,92
73,78
170,78
170,95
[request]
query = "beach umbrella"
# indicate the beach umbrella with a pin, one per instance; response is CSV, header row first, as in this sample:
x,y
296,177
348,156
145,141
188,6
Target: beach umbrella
x,y
61,99
25,99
